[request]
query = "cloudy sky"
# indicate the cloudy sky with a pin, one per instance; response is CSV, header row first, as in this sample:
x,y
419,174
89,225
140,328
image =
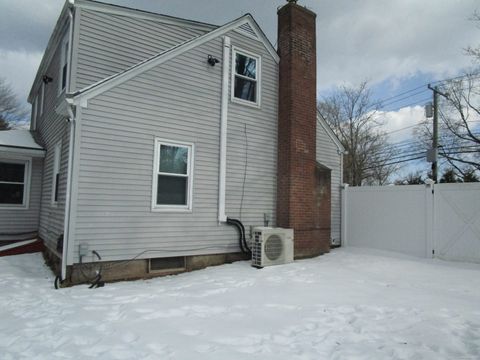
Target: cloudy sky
x,y
396,45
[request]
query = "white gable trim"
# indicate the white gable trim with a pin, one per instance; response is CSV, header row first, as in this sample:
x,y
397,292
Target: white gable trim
x,y
263,38
110,82
330,133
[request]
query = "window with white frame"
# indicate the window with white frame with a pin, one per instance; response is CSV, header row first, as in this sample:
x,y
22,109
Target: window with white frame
x,y
63,64
246,77
172,183
42,98
56,172
34,112
14,176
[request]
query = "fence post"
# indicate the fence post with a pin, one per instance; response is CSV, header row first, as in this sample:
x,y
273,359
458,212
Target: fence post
x,y
344,227
430,218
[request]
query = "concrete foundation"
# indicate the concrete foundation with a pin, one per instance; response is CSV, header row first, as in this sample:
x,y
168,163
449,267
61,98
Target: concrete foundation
x,y
131,270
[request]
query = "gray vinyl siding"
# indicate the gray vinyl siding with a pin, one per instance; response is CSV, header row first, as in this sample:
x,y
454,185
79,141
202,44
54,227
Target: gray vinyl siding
x,y
108,43
53,128
177,101
15,221
254,143
327,154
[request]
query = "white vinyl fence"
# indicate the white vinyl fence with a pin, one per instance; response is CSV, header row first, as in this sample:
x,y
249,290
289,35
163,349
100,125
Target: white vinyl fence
x,y
441,220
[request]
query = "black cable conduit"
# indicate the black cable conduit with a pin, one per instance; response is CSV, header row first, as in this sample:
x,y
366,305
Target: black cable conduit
x,y
241,240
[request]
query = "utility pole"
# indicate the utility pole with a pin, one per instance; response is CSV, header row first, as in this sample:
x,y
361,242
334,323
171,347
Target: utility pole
x,y
434,156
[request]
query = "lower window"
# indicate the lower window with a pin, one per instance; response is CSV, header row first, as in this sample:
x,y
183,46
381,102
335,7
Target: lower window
x,y
13,183
172,183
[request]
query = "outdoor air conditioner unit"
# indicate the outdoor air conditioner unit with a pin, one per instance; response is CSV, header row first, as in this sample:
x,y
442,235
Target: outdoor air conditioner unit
x,y
272,246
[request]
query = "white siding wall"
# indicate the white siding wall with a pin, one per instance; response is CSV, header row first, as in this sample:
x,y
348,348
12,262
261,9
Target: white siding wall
x,y
108,44
53,128
327,154
180,101
24,220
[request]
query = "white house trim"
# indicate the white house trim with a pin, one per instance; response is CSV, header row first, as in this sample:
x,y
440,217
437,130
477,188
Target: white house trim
x,y
258,58
222,217
190,166
72,189
27,179
119,78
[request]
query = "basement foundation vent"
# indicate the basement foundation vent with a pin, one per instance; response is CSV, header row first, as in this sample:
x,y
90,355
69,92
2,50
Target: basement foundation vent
x,y
170,264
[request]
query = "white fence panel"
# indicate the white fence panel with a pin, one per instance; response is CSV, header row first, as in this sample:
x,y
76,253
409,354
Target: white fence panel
x,y
393,218
415,220
457,222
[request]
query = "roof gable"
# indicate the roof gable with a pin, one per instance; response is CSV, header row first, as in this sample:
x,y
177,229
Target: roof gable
x,y
245,24
330,132
69,5
142,14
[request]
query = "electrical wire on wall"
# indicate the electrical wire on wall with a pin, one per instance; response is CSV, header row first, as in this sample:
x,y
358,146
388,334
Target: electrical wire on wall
x,y
244,171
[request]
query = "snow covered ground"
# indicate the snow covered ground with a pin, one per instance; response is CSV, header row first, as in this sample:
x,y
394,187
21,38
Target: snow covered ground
x,y
349,304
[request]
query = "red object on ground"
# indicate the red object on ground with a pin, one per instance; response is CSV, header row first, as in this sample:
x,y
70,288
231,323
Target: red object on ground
x,y
36,246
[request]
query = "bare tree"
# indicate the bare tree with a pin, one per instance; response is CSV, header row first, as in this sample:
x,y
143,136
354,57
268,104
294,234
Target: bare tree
x,y
352,115
472,50
459,135
460,128
412,178
11,110
459,125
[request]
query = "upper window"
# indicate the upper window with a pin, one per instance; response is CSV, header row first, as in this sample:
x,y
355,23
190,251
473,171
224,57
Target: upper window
x,y
42,99
246,78
63,64
34,113
172,185
13,183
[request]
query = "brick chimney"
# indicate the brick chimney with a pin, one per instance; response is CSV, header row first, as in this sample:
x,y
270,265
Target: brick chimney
x,y
297,199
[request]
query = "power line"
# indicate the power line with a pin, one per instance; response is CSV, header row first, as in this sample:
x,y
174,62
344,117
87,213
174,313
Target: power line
x,y
403,98
389,101
395,162
413,157
417,102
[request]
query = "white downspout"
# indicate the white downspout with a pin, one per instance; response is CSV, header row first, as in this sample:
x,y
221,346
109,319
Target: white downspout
x,y
66,228
223,131
66,225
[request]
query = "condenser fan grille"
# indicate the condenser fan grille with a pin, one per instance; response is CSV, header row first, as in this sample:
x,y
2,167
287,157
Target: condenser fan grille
x,y
273,247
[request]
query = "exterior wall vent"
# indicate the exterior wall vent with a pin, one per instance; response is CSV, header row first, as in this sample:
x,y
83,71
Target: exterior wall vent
x,y
169,264
246,29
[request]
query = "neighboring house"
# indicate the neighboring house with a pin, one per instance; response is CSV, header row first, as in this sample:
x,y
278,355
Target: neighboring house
x,y
156,129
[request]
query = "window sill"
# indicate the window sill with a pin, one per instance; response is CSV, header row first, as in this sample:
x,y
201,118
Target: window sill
x,y
245,102
13,207
172,209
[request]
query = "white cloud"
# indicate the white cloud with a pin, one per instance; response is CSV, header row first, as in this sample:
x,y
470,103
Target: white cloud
x,y
400,124
392,39
356,40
